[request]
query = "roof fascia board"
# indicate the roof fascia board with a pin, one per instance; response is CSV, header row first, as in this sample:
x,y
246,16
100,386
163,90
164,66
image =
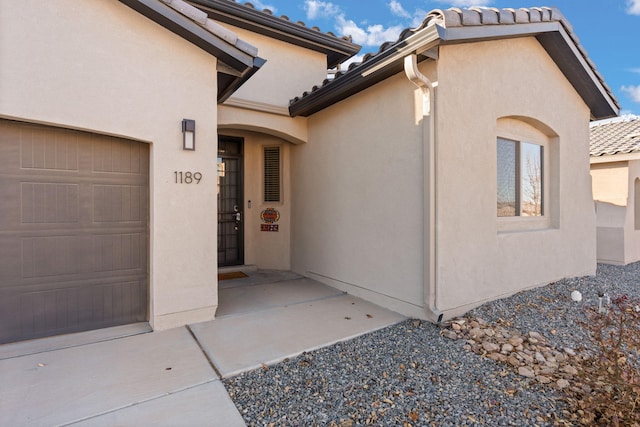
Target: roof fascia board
x,y
490,32
611,158
192,32
615,110
418,43
244,17
374,71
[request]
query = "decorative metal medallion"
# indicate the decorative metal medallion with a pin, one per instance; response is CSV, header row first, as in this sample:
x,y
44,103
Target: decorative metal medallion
x,y
270,216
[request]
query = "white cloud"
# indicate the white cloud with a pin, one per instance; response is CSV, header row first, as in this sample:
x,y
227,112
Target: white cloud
x,y
320,9
345,65
398,10
633,92
262,6
633,7
373,35
418,17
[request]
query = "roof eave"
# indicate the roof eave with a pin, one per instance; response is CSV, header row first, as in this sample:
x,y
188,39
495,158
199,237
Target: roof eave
x,y
379,68
551,35
581,75
336,49
226,90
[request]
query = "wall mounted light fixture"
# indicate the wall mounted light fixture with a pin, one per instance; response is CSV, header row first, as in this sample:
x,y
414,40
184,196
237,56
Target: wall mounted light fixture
x,y
188,134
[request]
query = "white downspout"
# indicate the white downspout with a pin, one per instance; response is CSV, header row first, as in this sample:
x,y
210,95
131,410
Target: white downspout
x,y
429,187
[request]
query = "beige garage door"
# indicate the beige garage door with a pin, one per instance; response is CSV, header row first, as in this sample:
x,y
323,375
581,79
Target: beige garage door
x,y
73,231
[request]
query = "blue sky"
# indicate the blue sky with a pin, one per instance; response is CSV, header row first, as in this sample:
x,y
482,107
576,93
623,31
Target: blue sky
x,y
608,29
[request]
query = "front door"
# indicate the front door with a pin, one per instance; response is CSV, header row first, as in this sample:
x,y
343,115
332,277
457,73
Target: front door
x,y
230,212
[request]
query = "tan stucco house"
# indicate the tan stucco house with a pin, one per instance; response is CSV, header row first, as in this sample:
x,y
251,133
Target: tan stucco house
x,y
448,169
615,171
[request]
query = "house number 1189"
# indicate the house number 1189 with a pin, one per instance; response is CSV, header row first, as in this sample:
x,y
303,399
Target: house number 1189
x,y
187,177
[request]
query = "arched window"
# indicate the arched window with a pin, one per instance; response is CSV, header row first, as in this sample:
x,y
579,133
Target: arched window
x,y
526,156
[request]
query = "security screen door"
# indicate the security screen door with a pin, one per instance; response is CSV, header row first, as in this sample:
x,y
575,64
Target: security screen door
x,y
230,212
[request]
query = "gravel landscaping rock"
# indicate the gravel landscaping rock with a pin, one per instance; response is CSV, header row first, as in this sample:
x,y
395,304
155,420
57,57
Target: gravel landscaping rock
x,y
419,374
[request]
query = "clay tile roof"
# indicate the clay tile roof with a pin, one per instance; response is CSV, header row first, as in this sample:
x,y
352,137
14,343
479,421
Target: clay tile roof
x,y
476,17
616,136
286,18
247,16
201,18
456,17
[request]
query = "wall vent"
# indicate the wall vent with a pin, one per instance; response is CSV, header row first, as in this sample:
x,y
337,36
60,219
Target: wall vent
x,y
272,174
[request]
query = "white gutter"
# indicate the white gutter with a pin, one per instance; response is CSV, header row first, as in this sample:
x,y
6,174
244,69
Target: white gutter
x,y
429,275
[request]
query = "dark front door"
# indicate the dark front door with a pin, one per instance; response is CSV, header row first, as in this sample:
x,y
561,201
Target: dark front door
x,y
230,212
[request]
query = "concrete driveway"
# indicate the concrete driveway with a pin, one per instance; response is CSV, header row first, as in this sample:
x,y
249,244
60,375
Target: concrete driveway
x,y
172,377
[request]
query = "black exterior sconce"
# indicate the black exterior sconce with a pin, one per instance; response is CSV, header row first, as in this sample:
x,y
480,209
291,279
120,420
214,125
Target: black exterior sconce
x,y
188,134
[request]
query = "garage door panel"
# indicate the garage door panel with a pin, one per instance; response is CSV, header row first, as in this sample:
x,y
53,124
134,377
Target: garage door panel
x,y
56,256
45,202
71,308
10,260
116,252
73,231
48,149
118,156
119,203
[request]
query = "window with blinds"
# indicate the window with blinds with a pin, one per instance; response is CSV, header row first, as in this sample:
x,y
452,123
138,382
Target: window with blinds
x,y
271,174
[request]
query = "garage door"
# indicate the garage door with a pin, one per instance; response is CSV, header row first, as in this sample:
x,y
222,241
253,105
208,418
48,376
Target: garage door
x,y
73,231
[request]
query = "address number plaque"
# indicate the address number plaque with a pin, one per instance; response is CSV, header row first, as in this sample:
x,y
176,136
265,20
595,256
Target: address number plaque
x,y
188,177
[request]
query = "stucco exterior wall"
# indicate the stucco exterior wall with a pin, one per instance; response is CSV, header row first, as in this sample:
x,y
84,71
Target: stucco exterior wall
x,y
632,223
616,188
102,67
357,197
610,182
289,71
357,184
611,221
279,125
481,257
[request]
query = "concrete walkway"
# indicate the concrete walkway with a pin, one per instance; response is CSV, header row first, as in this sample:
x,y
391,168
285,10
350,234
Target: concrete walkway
x,y
172,377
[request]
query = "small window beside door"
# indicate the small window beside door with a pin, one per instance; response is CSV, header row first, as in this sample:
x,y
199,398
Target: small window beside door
x,y
272,175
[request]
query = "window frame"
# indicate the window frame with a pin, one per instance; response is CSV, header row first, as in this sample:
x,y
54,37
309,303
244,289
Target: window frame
x,y
520,222
519,175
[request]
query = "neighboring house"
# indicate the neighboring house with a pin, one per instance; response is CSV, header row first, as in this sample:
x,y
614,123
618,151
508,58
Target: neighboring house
x,y
446,170
615,172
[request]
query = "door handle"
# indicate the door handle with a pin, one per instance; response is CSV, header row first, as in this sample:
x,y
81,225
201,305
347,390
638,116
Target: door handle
x,y
237,216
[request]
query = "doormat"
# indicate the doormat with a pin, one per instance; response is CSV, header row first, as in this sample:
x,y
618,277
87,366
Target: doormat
x,y
231,275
